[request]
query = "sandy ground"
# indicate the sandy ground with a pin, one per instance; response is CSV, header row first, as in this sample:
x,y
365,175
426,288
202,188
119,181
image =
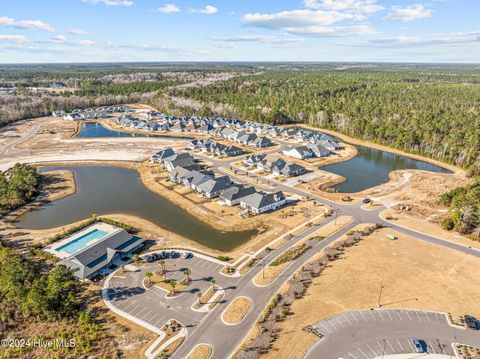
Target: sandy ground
x,y
237,310
404,219
413,274
202,351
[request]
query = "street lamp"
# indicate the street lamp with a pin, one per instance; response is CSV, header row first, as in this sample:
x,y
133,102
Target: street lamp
x,y
380,296
384,346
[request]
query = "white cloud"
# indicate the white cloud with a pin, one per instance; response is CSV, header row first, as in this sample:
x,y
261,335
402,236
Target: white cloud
x,y
77,32
25,24
16,39
257,38
208,10
357,6
409,13
83,43
63,40
449,39
308,22
228,46
110,2
168,8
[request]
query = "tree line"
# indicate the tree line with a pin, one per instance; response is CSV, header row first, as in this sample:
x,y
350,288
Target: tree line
x,y
18,185
465,209
435,114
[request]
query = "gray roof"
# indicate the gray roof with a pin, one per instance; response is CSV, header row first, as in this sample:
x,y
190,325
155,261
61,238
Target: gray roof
x,y
180,159
302,150
236,192
94,257
261,199
215,184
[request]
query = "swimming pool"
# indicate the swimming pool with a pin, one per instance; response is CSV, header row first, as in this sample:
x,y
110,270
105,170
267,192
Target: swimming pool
x,y
82,241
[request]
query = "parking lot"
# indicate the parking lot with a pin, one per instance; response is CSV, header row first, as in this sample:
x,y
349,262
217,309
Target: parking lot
x,y
152,305
372,333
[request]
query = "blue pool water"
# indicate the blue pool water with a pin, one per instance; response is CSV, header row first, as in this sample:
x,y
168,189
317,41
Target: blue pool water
x,y
82,241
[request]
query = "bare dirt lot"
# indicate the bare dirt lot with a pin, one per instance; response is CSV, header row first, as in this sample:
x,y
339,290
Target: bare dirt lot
x,y
413,274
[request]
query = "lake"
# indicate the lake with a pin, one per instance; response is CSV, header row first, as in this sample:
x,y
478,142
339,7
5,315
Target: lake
x,y
368,169
97,130
371,168
108,189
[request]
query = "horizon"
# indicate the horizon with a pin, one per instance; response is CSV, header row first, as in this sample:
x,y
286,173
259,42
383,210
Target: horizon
x,y
302,31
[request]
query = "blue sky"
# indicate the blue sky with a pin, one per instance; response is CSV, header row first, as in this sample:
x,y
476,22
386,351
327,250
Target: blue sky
x,y
239,30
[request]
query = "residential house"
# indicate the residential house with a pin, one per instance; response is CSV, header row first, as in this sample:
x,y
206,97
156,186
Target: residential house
x,y
300,152
214,186
288,170
228,151
260,202
179,159
73,117
261,142
254,159
160,156
318,150
232,196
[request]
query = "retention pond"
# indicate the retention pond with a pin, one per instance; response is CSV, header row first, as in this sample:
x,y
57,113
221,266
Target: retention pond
x,y
107,189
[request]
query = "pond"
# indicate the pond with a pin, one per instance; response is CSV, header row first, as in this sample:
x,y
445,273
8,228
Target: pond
x,y
107,189
371,168
97,130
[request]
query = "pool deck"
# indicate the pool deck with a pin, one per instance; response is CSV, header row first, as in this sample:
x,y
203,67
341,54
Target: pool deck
x,y
52,248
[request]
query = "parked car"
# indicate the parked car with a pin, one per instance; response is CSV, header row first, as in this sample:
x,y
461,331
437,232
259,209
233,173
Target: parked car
x,y
149,259
366,200
417,344
174,254
471,322
187,255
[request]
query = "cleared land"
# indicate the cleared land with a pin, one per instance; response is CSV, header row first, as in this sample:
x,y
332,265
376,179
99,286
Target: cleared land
x,y
237,310
414,275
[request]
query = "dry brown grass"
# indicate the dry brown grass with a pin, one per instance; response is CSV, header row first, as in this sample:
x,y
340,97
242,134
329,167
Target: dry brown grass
x,y
237,310
414,274
201,351
269,272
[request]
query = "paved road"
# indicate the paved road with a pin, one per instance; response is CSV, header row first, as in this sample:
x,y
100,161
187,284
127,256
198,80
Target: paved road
x,y
372,333
208,328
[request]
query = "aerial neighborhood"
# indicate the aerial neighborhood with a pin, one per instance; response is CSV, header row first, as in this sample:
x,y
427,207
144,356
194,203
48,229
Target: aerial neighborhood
x,y
184,169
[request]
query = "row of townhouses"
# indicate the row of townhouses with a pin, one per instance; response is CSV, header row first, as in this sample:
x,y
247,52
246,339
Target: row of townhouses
x,y
90,113
183,169
210,146
277,166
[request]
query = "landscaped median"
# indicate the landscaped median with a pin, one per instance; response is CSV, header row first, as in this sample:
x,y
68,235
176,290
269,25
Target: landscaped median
x,y
282,307
208,300
173,336
271,271
237,310
201,351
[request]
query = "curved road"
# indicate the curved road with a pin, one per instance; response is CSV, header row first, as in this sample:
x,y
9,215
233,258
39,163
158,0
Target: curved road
x,y
225,339
367,334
